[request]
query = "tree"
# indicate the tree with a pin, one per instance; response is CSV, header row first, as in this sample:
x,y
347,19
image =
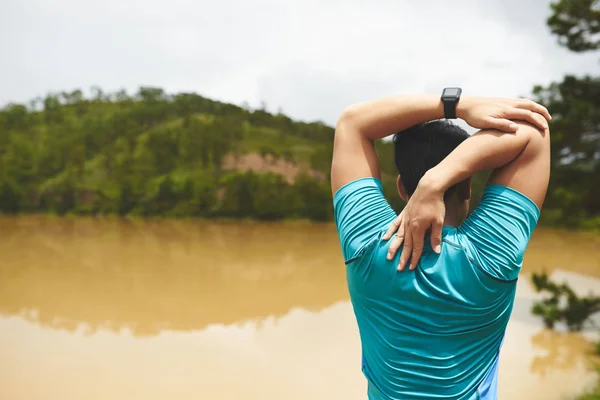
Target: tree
x,y
205,194
272,197
225,132
315,201
237,198
11,196
155,153
320,159
121,96
563,305
288,156
97,93
52,109
151,95
575,106
577,24
14,117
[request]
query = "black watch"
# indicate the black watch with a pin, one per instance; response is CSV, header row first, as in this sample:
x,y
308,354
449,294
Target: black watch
x,y
450,97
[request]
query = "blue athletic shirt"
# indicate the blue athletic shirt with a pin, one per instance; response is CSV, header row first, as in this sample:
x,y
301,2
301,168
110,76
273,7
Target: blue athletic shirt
x,y
435,332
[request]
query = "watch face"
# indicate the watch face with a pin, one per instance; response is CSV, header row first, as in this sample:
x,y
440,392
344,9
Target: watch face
x,y
451,92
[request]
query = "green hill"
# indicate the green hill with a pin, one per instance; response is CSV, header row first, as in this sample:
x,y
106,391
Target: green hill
x,y
185,155
159,154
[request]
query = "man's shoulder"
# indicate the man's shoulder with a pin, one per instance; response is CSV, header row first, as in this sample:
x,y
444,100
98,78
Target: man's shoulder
x,y
498,230
361,212
353,188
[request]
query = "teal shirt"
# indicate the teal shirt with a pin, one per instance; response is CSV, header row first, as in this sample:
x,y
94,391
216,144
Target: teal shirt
x,y
435,332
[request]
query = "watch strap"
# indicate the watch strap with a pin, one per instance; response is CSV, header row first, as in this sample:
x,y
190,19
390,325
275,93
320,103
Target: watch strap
x,y
450,109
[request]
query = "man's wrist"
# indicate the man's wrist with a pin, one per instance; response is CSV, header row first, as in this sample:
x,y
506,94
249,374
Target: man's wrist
x,y
433,182
463,104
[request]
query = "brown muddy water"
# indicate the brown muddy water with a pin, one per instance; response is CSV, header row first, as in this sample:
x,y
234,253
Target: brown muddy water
x,y
112,309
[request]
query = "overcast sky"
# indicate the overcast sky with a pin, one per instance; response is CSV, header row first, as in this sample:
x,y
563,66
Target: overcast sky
x,y
310,58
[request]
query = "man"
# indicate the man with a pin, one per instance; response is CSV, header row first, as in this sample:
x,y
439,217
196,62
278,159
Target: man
x,y
434,330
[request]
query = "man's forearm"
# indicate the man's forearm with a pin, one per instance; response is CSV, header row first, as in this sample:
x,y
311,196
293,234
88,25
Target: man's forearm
x,y
488,149
380,118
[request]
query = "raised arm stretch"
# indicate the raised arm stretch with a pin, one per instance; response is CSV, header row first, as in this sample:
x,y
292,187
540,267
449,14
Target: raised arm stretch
x,y
359,125
520,161
520,157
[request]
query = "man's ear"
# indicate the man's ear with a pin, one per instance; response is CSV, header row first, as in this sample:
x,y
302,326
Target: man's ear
x,y
464,189
401,189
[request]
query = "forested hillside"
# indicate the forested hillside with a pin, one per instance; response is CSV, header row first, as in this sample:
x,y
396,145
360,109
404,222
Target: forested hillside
x,y
159,154
153,153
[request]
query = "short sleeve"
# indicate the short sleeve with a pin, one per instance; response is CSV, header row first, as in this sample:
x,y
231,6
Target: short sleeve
x,y
361,213
499,229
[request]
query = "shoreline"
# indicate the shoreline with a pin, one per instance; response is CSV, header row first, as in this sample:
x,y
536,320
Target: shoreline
x,y
225,220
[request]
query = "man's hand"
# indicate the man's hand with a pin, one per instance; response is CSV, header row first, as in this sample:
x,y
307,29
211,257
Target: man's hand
x,y
425,209
499,113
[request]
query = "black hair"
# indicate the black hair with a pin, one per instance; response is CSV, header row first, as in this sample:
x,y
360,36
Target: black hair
x,y
422,147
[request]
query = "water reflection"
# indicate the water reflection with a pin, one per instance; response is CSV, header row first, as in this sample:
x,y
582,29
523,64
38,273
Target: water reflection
x,y
95,308
558,249
150,276
300,355
561,351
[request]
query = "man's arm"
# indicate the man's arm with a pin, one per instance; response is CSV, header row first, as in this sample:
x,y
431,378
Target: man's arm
x,y
521,161
360,209
354,154
358,127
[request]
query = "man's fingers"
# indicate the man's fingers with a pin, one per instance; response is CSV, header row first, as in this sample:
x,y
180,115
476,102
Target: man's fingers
x,y
396,243
505,125
542,122
529,116
543,111
417,249
436,236
393,227
406,250
535,107
416,255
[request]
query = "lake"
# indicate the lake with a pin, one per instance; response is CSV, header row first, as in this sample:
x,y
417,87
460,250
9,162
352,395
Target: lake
x,y
94,308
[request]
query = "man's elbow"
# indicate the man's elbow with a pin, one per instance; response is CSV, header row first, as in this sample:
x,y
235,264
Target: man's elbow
x,y
537,139
347,119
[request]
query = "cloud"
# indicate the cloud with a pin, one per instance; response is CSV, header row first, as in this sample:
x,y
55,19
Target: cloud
x,y
309,57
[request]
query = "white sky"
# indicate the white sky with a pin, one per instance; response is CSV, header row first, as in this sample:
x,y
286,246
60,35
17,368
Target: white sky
x,y
309,57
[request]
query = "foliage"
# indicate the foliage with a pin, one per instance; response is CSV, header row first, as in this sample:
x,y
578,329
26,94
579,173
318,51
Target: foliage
x,y
156,154
575,140
563,305
315,199
265,196
575,128
575,136
576,23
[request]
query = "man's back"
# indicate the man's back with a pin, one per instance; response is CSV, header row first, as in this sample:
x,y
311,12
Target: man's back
x,y
434,332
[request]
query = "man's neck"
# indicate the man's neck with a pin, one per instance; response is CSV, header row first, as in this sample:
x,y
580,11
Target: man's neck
x,y
453,217
451,220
